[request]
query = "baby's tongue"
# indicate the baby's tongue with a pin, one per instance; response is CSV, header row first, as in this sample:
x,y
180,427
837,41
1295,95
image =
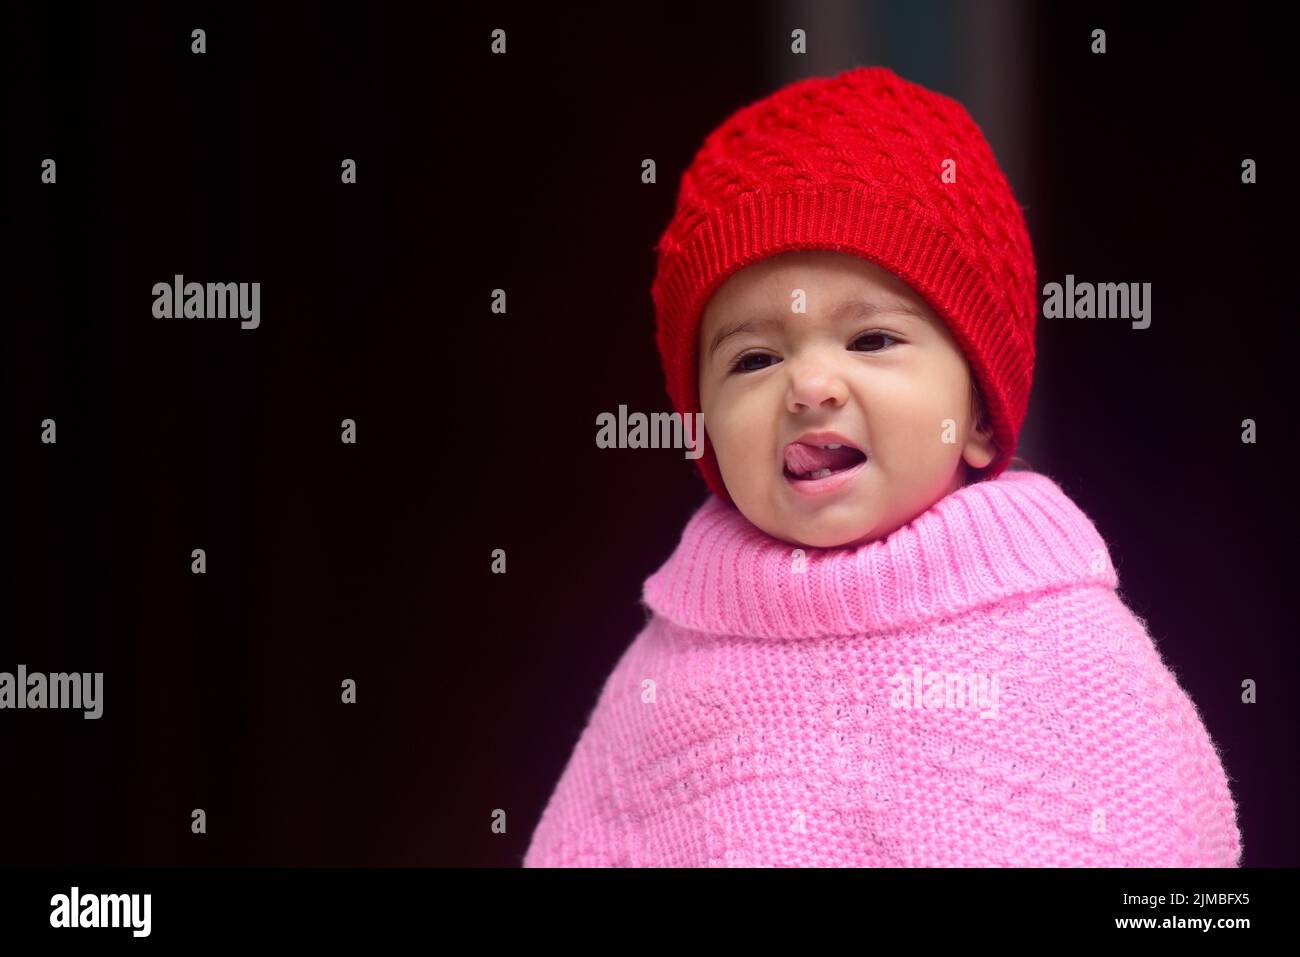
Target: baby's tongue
x,y
803,459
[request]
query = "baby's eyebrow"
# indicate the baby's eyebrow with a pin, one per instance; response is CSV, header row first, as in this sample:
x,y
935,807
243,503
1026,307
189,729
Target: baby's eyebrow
x,y
849,309
736,328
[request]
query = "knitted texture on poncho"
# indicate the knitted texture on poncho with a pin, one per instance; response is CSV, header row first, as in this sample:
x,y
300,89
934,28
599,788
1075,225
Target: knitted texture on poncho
x,y
969,691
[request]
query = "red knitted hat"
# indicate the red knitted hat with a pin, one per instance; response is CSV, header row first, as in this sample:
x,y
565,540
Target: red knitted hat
x,y
856,163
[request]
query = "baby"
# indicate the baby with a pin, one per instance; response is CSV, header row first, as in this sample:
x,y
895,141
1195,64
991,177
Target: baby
x,y
875,645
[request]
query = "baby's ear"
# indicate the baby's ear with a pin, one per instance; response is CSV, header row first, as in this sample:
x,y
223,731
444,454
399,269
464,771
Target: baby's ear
x,y
980,448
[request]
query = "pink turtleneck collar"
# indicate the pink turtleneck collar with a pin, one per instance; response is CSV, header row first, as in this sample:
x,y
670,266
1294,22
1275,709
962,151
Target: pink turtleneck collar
x,y
986,542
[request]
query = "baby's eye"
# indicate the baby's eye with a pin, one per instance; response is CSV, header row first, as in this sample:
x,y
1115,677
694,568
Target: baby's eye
x,y
740,364
874,335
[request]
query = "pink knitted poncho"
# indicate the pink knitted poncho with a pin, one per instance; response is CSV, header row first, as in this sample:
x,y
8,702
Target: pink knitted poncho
x,y
971,691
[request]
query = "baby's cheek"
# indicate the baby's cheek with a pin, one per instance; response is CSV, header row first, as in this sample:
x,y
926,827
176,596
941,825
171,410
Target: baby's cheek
x,y
738,456
925,421
730,454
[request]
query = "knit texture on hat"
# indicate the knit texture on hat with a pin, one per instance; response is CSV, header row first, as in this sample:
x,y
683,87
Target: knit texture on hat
x,y
853,163
756,719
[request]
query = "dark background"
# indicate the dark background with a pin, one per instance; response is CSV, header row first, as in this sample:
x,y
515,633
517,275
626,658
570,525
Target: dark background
x,y
476,431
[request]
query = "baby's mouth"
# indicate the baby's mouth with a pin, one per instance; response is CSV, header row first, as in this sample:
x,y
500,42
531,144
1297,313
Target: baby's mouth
x,y
805,462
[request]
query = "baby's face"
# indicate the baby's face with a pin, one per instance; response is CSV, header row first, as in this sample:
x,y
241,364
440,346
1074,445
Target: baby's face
x,y
866,358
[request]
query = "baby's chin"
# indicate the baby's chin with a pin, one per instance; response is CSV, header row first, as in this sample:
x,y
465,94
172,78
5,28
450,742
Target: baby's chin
x,y
824,531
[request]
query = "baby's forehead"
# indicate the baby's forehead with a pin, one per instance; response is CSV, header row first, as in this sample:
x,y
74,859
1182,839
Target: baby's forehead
x,y
813,281
798,305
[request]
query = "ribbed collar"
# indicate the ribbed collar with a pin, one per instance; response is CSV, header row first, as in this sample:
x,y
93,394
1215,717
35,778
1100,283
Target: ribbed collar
x,y
1012,535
